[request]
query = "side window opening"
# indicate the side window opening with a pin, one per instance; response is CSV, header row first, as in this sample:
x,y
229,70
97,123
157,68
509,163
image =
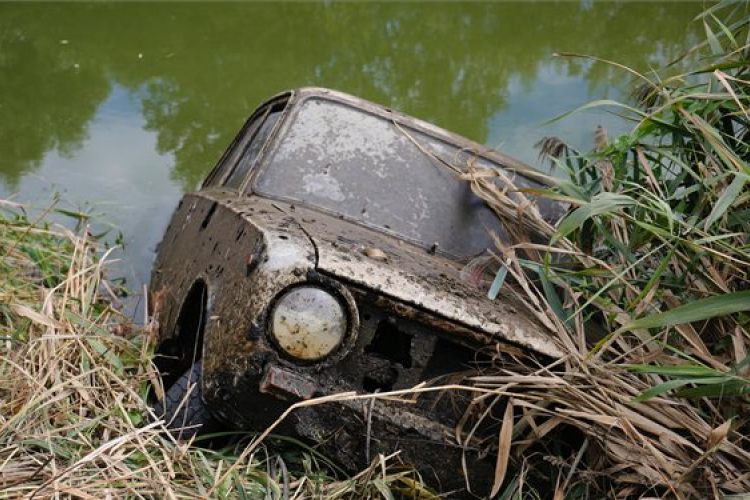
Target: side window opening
x,y
253,149
230,157
249,142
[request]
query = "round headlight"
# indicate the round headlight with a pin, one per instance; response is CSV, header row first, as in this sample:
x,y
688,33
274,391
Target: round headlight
x,y
308,323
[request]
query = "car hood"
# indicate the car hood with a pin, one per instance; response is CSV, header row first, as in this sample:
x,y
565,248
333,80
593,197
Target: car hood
x,y
398,270
412,275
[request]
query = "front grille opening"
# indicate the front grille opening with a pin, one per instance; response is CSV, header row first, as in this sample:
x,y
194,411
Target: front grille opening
x,y
449,357
391,343
380,381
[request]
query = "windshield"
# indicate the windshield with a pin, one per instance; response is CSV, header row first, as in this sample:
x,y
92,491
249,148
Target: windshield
x,y
368,169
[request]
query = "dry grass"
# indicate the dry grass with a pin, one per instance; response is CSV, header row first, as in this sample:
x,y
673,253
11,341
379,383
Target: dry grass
x,y
74,380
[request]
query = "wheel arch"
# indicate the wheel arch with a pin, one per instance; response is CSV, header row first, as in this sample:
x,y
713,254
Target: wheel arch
x,y
183,345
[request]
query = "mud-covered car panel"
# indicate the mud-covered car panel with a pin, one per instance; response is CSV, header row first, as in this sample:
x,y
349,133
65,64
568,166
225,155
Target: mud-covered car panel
x,y
235,248
429,283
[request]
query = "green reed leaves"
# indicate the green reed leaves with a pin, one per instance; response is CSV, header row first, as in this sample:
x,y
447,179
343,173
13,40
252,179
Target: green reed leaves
x,y
646,283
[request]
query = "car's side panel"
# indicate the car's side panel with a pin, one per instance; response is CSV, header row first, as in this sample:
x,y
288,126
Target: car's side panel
x,y
223,240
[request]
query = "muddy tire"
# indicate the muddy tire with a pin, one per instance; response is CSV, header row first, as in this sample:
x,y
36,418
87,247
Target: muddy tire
x,y
183,409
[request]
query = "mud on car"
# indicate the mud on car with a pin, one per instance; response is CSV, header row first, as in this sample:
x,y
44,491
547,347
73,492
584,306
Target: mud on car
x,y
323,254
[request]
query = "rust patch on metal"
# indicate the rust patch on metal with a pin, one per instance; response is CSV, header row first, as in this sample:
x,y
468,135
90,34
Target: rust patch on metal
x,y
287,384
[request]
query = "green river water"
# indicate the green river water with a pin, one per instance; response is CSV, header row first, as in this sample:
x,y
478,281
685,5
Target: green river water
x,y
121,108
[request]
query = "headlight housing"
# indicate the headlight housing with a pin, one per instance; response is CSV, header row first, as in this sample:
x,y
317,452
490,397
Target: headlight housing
x,y
308,322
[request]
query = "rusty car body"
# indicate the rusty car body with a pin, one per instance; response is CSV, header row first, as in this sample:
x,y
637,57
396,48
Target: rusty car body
x,y
323,254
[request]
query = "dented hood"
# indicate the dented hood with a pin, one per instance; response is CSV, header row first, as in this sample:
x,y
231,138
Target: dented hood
x,y
403,272
411,274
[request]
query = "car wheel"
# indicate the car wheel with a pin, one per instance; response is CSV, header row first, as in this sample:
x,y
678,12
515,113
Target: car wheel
x,y
183,409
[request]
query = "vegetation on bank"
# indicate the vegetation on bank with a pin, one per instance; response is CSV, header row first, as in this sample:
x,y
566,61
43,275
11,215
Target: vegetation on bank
x,y
646,282
74,384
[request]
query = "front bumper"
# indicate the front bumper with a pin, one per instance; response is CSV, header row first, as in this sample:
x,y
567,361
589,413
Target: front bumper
x,y
356,430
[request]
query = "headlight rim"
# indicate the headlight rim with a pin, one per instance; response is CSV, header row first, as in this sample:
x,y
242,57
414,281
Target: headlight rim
x,y
348,306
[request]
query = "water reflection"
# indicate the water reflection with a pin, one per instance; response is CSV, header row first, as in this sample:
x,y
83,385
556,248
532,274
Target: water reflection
x,y
199,69
186,76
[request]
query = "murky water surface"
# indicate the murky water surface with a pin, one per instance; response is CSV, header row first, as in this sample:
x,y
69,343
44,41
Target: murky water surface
x,y
122,107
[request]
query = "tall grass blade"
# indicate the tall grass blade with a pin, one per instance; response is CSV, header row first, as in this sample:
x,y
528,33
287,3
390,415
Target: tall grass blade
x,y
727,198
711,307
603,203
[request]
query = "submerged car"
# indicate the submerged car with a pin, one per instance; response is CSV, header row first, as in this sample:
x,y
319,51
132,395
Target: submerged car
x,y
323,254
